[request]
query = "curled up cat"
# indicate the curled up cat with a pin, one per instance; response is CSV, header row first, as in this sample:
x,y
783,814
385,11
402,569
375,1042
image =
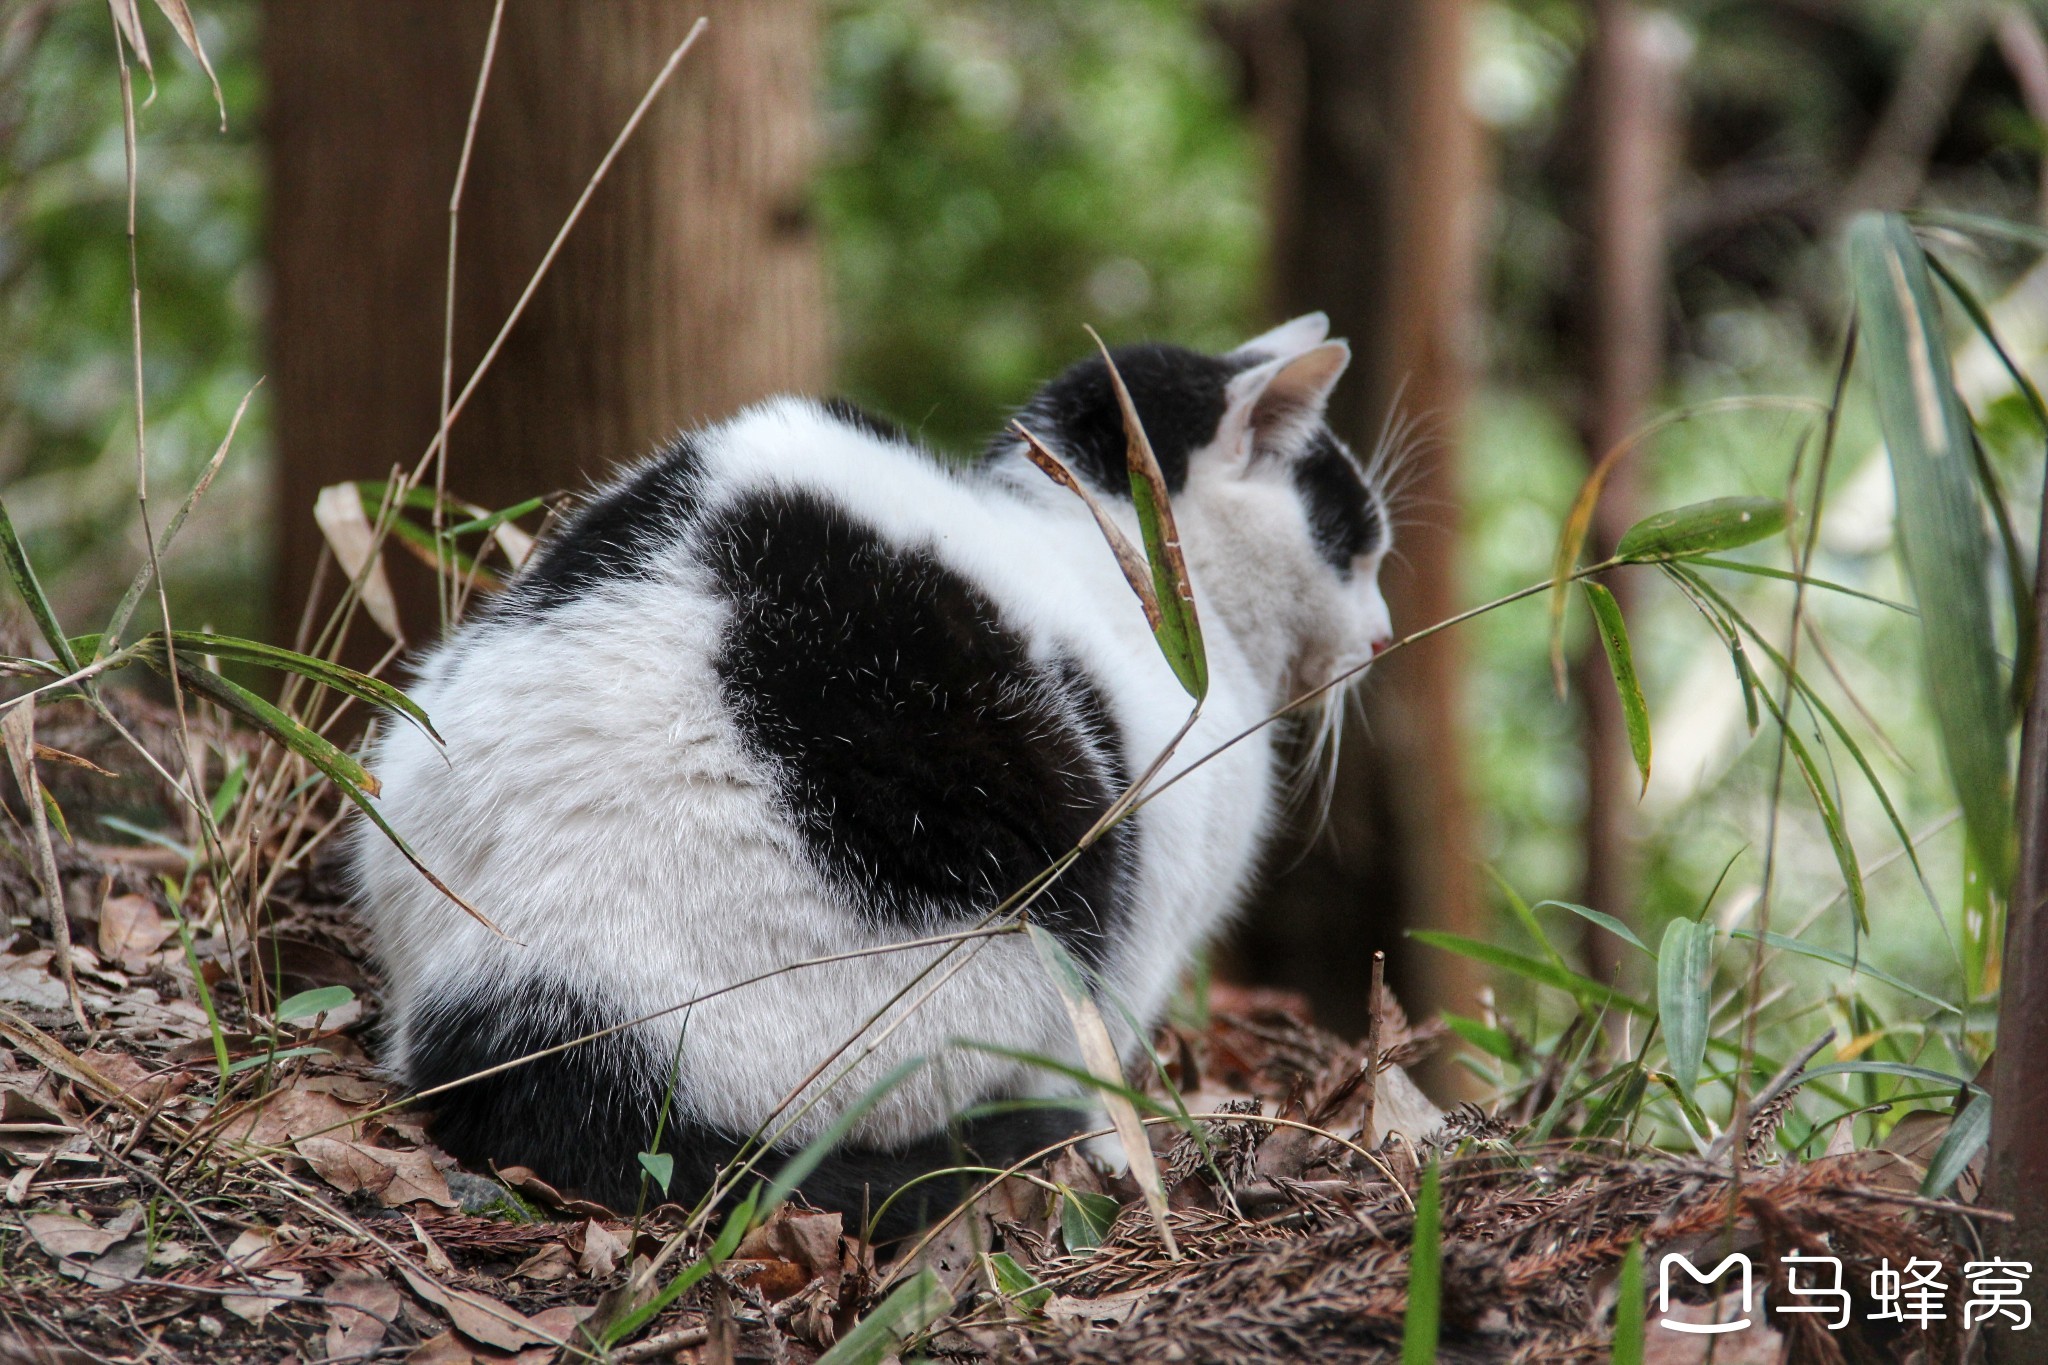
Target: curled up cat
x,y
797,688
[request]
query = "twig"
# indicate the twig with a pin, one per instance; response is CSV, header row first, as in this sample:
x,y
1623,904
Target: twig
x,y
1370,1084
1778,1085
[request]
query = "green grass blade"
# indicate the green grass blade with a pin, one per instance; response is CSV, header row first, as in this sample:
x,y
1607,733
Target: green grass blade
x,y
1982,225
1581,988
1928,434
798,1168
1423,1321
1831,819
1629,1308
1492,1041
1635,712
1787,576
1967,1133
1526,917
1840,959
915,1305
1685,964
1702,528
737,1224
1812,699
23,575
1907,1070
1604,920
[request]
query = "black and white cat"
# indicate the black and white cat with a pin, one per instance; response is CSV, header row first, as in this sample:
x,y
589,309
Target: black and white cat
x,y
796,687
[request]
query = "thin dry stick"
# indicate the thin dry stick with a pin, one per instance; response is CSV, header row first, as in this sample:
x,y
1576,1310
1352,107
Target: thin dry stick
x,y
1371,1083
21,754
442,587
554,248
1802,555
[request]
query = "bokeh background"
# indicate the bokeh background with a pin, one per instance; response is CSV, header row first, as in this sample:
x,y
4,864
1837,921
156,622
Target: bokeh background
x,y
1541,223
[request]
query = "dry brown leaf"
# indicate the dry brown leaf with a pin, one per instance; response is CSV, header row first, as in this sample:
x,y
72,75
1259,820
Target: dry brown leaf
x,y
60,1235
552,1262
810,1241
360,1306
601,1250
430,1250
181,20
287,1115
444,1349
129,20
476,1317
396,1178
131,928
339,512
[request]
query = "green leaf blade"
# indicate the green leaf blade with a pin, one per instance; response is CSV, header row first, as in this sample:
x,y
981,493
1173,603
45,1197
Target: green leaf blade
x,y
1685,961
1422,1323
1942,539
1635,712
1702,528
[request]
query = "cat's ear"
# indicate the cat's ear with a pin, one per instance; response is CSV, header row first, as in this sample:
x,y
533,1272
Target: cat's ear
x,y
1270,409
1289,338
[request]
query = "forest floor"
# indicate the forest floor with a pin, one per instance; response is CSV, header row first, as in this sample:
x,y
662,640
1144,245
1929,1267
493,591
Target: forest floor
x,y
156,1204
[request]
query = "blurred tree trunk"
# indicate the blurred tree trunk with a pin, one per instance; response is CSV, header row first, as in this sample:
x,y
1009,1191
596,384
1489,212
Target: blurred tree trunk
x,y
1632,77
1377,188
691,285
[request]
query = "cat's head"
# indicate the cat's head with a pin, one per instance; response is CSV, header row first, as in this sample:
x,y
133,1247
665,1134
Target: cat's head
x,y
1283,526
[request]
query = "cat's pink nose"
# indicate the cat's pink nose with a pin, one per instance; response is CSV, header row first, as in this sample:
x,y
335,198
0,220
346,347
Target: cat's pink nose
x,y
1381,645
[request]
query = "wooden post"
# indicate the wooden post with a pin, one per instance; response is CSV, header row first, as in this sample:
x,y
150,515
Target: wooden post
x,y
691,286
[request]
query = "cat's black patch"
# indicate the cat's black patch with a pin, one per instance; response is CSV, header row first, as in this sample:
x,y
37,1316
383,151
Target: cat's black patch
x,y
931,766
579,1119
614,536
1343,512
853,415
1179,397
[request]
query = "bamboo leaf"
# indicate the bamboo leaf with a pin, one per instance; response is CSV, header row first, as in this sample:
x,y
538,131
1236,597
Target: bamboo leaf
x,y
1941,532
1702,528
1179,631
915,1305
1830,818
361,686
798,1168
1492,1041
1910,1072
1685,962
1840,959
1605,921
737,1225
314,1003
1785,576
1967,1133
181,21
1423,1320
338,511
1100,1055
1635,712
1136,571
23,575
1581,988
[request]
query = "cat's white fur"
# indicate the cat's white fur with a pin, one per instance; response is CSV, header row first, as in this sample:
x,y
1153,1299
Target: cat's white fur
x,y
595,799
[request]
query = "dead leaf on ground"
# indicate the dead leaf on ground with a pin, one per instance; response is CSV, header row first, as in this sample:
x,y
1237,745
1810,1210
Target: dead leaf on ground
x,y
551,1263
601,1250
287,1115
131,930
60,1235
523,1180
360,1307
395,1178
476,1317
